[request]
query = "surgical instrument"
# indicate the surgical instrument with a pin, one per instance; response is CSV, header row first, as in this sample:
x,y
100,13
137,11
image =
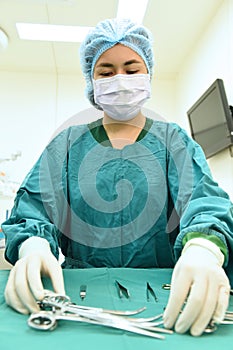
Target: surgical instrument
x,y
212,326
57,301
83,291
122,290
166,286
150,290
55,310
47,320
228,319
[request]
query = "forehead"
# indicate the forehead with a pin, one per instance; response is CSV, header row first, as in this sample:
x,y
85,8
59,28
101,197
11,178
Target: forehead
x,y
118,54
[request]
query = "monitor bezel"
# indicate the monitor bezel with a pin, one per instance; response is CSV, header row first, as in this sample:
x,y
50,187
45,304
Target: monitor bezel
x,y
219,85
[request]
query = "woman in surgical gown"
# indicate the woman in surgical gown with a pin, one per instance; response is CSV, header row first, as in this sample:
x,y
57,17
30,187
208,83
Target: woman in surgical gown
x,y
123,191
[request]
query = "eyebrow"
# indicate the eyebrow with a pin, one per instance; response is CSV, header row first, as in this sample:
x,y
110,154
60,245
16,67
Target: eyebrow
x,y
131,62
127,63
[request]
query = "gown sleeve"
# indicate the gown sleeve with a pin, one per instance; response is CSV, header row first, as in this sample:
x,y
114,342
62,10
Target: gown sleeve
x,y
203,206
37,203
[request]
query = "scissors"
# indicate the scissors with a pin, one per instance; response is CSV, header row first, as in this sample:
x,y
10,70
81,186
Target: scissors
x,y
56,307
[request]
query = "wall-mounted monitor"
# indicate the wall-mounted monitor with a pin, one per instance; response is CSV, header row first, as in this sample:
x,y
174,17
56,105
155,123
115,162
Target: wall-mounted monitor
x,y
211,120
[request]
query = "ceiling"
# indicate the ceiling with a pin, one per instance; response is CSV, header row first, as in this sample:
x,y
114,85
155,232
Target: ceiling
x,y
176,26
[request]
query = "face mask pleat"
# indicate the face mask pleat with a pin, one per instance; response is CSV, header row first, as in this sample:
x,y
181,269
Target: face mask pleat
x,y
122,96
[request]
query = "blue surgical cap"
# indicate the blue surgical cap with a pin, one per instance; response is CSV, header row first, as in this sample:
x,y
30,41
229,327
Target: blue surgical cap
x,y
105,35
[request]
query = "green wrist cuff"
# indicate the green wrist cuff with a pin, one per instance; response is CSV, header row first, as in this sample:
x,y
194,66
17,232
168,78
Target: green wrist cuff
x,y
213,238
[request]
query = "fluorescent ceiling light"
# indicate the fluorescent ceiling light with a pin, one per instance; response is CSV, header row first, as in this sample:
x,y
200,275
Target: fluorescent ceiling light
x,y
51,32
133,9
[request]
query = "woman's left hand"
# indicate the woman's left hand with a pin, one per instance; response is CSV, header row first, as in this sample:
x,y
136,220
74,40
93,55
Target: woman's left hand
x,y
200,289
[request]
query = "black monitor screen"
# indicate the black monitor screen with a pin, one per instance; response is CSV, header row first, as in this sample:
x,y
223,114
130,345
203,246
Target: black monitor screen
x,y
210,120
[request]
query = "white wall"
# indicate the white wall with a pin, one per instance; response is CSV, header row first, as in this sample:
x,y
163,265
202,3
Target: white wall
x,y
163,99
31,107
211,58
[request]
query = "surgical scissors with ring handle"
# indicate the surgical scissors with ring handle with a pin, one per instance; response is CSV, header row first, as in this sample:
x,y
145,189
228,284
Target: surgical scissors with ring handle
x,y
52,300
56,307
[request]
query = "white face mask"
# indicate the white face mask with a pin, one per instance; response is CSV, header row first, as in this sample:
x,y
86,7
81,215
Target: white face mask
x,y
122,96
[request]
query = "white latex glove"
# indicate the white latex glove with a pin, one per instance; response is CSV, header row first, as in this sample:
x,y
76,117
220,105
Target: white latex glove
x,y
24,285
198,277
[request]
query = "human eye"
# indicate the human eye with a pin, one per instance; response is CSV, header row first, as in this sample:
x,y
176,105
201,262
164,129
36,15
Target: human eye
x,y
105,74
132,71
134,67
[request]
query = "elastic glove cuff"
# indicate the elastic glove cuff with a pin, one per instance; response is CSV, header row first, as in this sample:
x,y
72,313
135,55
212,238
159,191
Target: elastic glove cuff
x,y
202,242
33,244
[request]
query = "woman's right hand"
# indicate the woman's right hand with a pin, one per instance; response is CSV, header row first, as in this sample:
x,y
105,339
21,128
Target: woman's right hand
x,y
24,287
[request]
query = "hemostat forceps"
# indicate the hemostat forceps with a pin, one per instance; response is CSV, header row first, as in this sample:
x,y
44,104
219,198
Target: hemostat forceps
x,y
56,307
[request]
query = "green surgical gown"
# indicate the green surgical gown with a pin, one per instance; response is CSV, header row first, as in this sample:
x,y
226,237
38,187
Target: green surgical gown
x,y
127,207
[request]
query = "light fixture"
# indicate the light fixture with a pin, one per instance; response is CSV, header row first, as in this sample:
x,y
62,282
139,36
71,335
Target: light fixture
x,y
3,40
135,10
51,32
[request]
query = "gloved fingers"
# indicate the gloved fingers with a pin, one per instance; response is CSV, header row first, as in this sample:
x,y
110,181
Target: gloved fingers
x,y
54,271
11,295
180,288
222,303
34,269
216,301
50,267
206,297
207,306
193,306
24,285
